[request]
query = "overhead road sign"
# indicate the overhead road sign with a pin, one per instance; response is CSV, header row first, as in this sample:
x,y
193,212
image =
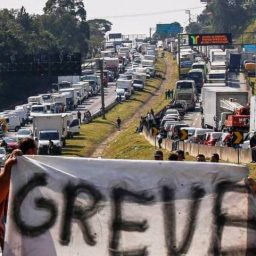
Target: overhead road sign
x,y
209,39
169,29
115,36
250,48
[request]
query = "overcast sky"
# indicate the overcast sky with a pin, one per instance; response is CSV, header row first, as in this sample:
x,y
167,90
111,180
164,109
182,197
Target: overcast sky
x,y
162,11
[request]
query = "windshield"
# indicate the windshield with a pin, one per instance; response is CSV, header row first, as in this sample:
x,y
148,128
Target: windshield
x,y
10,139
184,96
198,66
184,85
217,76
137,81
49,136
37,109
46,97
171,111
24,132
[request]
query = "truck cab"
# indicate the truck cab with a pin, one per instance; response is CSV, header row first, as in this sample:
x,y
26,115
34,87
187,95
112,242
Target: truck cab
x,y
43,139
50,127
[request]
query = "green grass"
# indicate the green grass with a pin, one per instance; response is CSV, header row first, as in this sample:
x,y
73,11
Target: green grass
x,y
93,134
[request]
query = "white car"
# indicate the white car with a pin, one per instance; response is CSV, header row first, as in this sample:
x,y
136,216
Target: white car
x,y
24,133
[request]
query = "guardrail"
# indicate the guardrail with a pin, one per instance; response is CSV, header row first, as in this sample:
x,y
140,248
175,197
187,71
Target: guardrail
x,y
227,154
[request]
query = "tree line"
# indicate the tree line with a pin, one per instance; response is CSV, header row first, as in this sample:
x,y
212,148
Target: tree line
x,y
224,16
62,27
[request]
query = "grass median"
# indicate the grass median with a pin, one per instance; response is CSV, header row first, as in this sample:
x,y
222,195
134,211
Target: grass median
x,y
94,134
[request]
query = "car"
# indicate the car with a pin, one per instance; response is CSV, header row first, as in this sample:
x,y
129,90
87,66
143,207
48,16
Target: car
x,y
168,124
172,116
246,143
180,107
199,135
3,155
137,60
212,137
172,111
168,118
220,141
12,143
175,129
24,133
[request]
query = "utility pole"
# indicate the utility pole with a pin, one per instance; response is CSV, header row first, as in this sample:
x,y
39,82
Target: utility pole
x,y
150,33
102,88
189,15
179,55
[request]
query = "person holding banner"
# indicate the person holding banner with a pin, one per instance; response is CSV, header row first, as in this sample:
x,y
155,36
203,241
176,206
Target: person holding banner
x,y
26,147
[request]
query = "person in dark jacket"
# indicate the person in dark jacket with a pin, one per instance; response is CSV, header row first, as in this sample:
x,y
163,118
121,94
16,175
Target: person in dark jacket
x,y
253,147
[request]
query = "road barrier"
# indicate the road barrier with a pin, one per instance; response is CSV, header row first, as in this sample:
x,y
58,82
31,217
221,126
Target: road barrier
x,y
226,154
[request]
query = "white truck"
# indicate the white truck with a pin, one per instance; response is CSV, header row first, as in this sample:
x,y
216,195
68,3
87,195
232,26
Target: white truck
x,y
45,98
85,87
50,127
74,101
253,114
71,79
112,64
150,57
23,113
126,85
69,104
147,63
34,100
211,104
212,52
13,121
139,80
59,101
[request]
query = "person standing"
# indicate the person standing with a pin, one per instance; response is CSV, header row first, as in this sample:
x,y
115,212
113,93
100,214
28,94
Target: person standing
x,y
166,94
79,116
118,123
253,147
169,93
27,147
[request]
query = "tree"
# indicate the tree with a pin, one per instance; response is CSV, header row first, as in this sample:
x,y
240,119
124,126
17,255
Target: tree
x,y
228,15
66,20
59,7
98,30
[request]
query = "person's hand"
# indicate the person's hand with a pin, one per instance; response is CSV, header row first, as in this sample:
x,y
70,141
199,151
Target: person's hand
x,y
12,159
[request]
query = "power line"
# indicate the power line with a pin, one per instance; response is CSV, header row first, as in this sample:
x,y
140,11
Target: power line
x,y
147,14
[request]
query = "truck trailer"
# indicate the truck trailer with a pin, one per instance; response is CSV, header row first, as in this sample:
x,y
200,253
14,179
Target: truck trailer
x,y
211,104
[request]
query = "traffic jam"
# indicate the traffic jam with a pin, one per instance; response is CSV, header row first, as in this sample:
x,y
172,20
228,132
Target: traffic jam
x,y
54,116
214,89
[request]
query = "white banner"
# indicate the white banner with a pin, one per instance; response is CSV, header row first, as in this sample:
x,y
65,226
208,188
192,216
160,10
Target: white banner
x,y
73,206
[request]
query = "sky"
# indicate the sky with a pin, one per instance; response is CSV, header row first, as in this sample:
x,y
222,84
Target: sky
x,y
127,16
